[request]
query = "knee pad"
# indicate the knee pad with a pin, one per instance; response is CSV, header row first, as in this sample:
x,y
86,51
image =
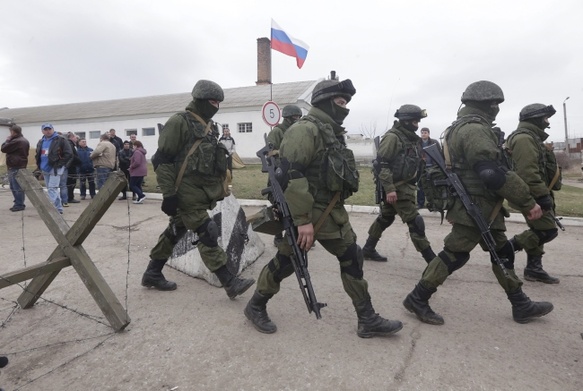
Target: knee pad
x,y
353,254
546,236
282,269
385,222
417,225
461,258
174,234
208,233
506,254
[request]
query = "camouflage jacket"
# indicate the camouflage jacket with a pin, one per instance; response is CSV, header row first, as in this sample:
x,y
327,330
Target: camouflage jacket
x,y
469,140
202,184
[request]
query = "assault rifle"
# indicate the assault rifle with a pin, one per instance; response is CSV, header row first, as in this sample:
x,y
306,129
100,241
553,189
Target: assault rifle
x,y
458,189
379,193
299,257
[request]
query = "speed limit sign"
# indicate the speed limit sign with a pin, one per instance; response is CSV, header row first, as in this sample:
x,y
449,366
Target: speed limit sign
x,y
271,113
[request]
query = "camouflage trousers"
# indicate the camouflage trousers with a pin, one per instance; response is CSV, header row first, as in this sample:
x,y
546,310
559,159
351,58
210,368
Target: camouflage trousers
x,y
529,240
280,267
212,257
407,211
456,252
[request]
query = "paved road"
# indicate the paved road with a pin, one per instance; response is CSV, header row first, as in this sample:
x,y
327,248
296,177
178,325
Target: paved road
x,y
195,338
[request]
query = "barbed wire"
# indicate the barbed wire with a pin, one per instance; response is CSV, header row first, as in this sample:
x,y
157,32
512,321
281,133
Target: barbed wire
x,y
14,307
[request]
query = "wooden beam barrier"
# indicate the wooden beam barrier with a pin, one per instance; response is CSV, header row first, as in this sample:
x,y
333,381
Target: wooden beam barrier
x,y
69,250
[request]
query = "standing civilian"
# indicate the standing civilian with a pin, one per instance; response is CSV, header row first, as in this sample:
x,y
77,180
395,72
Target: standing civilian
x,y
115,140
72,169
86,169
138,170
103,159
427,162
124,157
16,148
53,152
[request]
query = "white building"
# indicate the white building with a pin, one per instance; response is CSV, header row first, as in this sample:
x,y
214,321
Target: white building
x,y
240,112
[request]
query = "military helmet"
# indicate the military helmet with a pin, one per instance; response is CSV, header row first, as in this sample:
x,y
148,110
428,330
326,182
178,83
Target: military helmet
x,y
536,110
290,111
410,112
483,91
327,89
206,89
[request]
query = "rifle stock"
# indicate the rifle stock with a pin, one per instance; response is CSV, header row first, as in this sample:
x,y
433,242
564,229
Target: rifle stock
x,y
458,189
299,257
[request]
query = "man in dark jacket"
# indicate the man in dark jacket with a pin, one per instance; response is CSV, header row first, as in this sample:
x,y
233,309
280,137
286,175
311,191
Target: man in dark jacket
x,y
16,148
86,169
124,157
53,152
425,141
72,169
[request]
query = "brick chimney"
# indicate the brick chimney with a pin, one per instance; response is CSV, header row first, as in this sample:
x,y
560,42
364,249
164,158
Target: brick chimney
x,y
263,61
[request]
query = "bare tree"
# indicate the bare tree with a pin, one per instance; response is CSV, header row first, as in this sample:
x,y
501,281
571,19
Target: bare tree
x,y
369,132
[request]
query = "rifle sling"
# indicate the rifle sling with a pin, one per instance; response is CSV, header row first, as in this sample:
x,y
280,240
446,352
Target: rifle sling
x,y
324,215
555,178
192,149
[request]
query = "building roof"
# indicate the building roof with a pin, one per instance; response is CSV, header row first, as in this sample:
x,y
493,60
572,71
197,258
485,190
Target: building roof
x,y
252,96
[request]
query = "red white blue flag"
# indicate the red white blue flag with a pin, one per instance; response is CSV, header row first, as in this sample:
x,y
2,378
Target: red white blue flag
x,y
286,44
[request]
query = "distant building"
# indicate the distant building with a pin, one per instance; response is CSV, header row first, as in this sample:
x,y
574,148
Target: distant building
x,y
240,112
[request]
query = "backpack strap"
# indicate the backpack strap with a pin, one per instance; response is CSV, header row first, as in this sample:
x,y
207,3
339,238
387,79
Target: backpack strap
x,y
192,149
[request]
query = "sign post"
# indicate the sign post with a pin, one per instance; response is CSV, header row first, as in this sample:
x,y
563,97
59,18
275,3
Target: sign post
x,y
271,113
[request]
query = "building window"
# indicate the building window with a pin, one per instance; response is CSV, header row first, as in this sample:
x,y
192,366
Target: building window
x,y
148,132
93,134
129,132
225,126
81,134
245,127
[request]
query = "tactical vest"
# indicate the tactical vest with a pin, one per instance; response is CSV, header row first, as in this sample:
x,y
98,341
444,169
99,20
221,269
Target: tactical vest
x,y
404,166
547,161
336,171
210,158
472,182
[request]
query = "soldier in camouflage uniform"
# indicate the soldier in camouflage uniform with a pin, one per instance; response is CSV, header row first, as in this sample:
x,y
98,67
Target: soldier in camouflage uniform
x,y
290,114
311,146
475,155
400,157
186,199
537,166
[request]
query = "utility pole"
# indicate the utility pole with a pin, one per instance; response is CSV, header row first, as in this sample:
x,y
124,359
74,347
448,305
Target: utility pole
x,y
566,132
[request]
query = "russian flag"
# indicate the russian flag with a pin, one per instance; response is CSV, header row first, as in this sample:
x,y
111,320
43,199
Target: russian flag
x,y
286,44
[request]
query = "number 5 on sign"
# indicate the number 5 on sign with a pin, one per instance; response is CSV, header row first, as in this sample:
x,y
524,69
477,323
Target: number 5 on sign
x,y
271,113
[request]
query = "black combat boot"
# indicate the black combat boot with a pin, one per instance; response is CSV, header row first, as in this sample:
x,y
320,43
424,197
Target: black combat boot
x,y
256,312
153,277
418,302
524,309
428,254
371,324
534,270
234,286
370,253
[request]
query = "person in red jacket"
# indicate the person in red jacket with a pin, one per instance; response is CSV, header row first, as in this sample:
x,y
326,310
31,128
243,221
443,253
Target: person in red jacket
x,y
138,170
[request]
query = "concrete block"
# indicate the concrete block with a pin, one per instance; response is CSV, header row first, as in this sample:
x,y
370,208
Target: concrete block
x,y
242,245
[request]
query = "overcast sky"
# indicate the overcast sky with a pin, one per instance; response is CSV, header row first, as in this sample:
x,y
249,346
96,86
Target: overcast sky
x,y
395,52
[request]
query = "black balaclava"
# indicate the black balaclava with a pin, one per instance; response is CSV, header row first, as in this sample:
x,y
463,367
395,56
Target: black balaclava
x,y
337,113
539,122
205,109
490,108
409,125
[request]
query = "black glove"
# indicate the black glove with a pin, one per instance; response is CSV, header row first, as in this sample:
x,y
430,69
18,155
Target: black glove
x,y
545,202
170,205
